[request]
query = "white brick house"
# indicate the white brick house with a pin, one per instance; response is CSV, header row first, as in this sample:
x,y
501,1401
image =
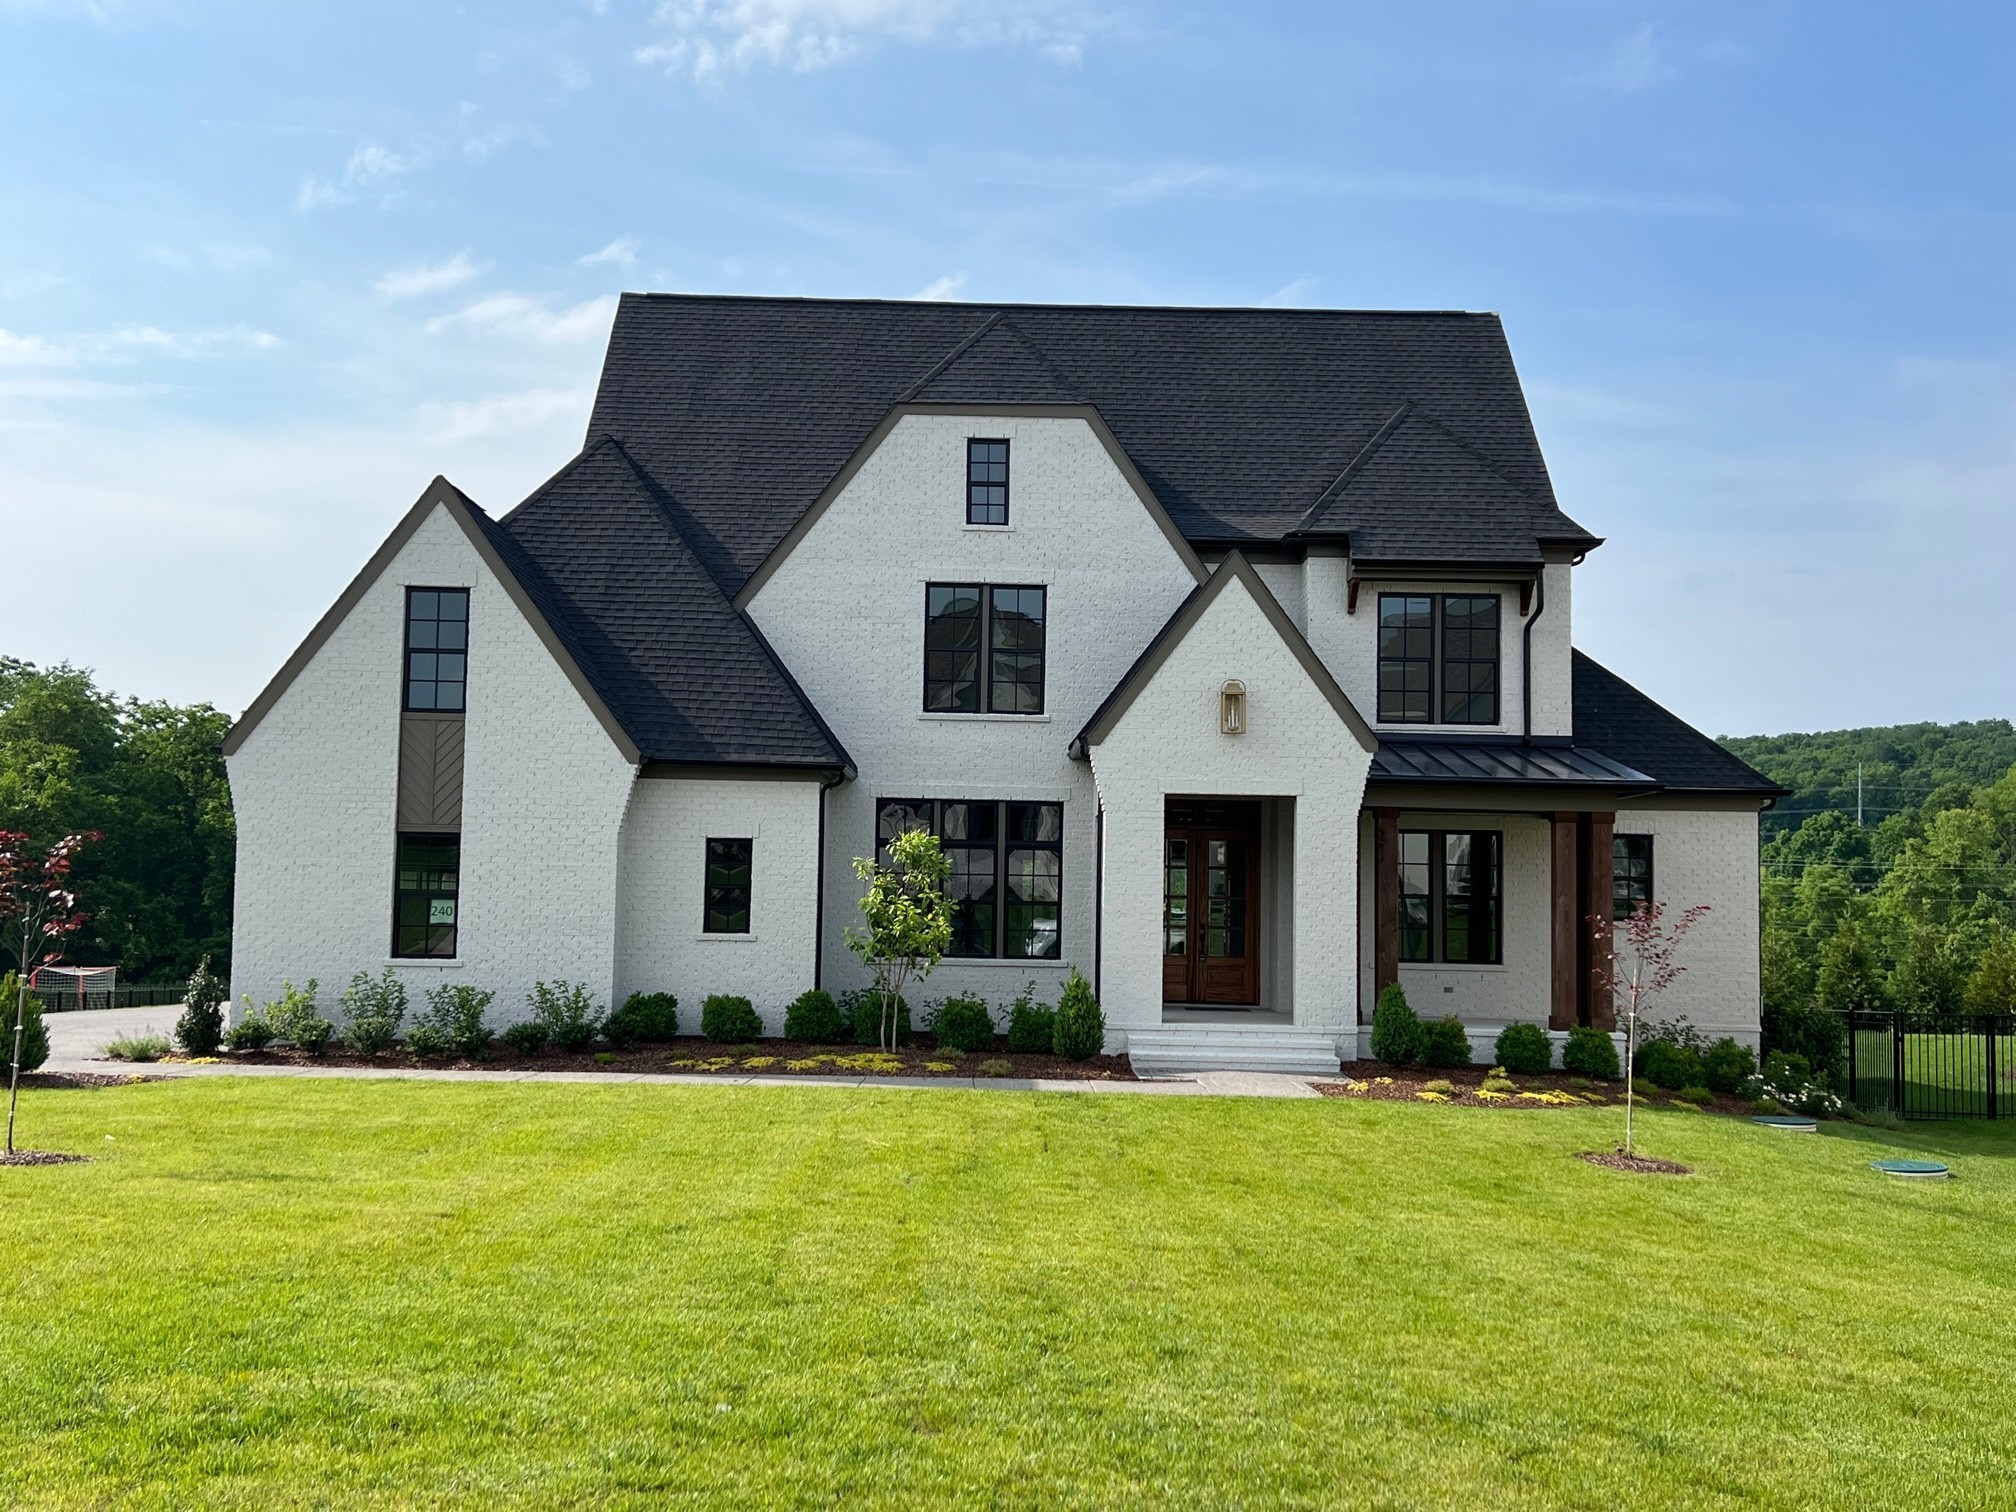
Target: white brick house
x,y
1229,652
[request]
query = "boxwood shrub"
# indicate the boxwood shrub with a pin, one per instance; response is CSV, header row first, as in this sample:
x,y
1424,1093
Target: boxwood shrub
x,y
646,1018
1444,1042
1727,1065
1396,1032
964,1023
1669,1066
1590,1052
1525,1050
1032,1025
729,1020
1081,1027
526,1037
863,1011
814,1019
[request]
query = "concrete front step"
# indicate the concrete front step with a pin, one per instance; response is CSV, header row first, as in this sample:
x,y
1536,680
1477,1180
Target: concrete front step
x,y
1191,1049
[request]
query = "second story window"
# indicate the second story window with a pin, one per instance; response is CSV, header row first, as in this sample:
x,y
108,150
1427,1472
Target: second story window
x,y
437,649
1438,658
983,648
986,482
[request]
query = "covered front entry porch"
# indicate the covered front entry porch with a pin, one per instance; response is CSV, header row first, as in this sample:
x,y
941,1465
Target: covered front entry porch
x,y
1228,867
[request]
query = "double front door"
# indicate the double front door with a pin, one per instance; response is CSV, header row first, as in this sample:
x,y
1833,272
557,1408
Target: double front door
x,y
1211,903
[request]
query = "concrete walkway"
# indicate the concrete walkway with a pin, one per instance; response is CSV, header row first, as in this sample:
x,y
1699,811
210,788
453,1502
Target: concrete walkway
x,y
76,1040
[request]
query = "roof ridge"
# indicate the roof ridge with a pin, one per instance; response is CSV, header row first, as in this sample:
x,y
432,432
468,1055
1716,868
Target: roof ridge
x,y
1001,305
1365,454
594,443
951,357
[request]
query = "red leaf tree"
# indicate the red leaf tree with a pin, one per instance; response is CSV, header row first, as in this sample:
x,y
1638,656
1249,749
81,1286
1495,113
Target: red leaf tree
x,y
37,909
1637,973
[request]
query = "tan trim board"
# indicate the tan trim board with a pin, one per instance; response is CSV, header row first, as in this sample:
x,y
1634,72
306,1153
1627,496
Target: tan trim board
x,y
443,494
1235,566
767,568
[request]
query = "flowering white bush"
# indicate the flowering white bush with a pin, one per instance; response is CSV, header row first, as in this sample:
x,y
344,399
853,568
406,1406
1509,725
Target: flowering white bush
x,y
1793,1092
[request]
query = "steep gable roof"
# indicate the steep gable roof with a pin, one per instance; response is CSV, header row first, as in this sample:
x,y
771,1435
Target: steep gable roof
x,y
1239,420
689,677
1626,726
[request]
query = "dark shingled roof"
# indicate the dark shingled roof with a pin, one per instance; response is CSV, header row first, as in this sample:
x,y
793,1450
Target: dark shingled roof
x,y
689,677
1241,421
1625,725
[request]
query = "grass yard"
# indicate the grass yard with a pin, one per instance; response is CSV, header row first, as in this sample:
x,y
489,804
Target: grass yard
x,y
271,1293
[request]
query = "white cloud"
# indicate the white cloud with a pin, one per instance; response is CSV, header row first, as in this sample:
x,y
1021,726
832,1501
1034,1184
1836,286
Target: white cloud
x,y
530,319
707,39
370,169
621,253
464,420
1290,293
189,343
17,350
1637,62
1241,182
947,287
427,278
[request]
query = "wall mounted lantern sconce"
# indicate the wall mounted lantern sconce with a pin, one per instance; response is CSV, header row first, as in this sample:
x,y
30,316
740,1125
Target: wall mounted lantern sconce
x,y
1232,708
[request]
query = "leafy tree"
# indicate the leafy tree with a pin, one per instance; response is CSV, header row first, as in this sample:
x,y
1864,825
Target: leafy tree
x,y
1635,975
1992,987
38,908
908,918
1849,980
1930,978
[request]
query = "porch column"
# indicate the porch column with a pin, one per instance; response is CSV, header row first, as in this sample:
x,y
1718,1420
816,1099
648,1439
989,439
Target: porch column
x,y
1385,904
1564,998
1599,1001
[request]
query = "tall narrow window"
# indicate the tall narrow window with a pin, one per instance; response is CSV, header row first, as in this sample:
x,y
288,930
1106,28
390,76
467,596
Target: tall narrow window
x,y
427,900
728,886
986,482
1451,896
1406,658
1007,871
983,648
1630,875
437,649
1438,658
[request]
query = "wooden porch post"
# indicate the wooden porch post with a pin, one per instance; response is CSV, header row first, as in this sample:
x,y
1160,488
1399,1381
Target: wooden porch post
x,y
1599,1001
1564,1002
1385,903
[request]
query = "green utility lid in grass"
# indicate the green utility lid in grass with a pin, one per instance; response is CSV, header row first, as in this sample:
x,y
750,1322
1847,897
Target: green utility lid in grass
x,y
1786,1122
1918,1170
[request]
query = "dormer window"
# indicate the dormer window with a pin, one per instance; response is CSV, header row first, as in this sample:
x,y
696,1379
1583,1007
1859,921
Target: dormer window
x,y
986,482
1438,658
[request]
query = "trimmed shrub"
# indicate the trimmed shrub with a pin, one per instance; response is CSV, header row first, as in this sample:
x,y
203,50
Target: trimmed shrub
x,y
814,1019
34,1033
1669,1066
729,1020
1727,1065
646,1018
295,1021
1782,1068
996,1068
1396,1032
200,1030
1080,1031
1498,1081
526,1037
1441,1085
252,1032
1032,1025
1444,1043
963,1023
1809,1031
863,1011
1699,1096
454,1020
1525,1050
1590,1052
138,1047
566,1012
424,1039
373,1012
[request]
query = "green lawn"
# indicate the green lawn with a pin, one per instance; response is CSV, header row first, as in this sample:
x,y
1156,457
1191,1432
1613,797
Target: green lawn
x,y
276,1292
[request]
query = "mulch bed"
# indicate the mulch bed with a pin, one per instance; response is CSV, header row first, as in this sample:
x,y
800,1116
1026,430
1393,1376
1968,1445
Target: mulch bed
x,y
689,1054
1644,1165
1555,1089
42,1157
82,1081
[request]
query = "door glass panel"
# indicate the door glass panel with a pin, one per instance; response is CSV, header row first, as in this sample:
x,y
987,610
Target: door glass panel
x,y
1176,898
1235,895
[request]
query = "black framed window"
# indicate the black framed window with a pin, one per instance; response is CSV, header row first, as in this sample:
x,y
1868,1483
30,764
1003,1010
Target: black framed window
x,y
1438,658
1452,896
1630,874
1007,871
984,648
426,901
728,886
437,649
986,482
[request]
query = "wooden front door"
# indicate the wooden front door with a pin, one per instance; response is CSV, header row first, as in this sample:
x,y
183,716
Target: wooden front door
x,y
1211,904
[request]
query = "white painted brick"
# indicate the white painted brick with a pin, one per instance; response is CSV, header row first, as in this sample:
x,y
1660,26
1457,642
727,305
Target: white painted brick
x,y
1707,853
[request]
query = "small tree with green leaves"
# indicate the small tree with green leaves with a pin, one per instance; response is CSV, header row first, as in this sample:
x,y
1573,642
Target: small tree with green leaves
x,y
908,920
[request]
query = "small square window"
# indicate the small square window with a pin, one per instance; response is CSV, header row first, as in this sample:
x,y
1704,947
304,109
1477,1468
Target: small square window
x,y
437,650
986,482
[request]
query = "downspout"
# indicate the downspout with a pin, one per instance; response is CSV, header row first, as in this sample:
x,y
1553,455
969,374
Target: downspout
x,y
1098,897
1526,672
826,785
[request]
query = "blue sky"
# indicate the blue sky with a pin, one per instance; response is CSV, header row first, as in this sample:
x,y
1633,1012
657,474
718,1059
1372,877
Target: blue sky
x,y
265,270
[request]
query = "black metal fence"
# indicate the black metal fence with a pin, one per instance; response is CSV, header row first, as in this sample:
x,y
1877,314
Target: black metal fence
x,y
58,997
1921,1065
